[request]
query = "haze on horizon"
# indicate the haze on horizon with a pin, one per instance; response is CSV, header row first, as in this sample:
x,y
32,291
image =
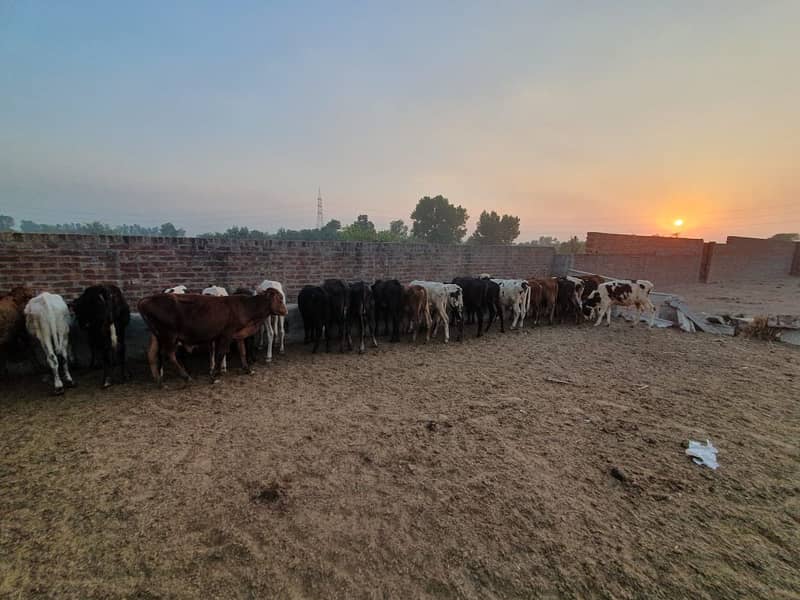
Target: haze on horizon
x,y
620,117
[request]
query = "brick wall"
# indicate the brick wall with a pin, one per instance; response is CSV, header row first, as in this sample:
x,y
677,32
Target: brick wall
x,y
615,243
66,264
751,259
661,270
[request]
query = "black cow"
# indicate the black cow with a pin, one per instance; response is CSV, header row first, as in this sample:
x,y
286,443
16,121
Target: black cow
x,y
313,304
388,296
493,303
568,300
338,300
362,311
103,312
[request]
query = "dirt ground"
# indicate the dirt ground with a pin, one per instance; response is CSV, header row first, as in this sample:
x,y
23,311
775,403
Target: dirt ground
x,y
420,471
751,298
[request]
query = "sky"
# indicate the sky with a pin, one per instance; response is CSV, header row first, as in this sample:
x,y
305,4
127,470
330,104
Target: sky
x,y
574,116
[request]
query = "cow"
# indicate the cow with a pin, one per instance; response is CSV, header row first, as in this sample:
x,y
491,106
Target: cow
x,y
590,283
361,310
276,324
388,295
338,300
536,294
549,297
313,304
178,289
417,310
250,342
515,297
441,297
480,295
194,320
47,319
12,322
624,292
568,300
102,311
219,291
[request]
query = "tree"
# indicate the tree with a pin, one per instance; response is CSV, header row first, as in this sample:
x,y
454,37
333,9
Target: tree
x,y
494,229
169,230
362,230
436,220
786,237
6,223
572,246
398,229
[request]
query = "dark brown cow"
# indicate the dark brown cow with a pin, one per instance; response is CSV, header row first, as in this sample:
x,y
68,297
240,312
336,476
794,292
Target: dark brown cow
x,y
193,320
537,294
549,296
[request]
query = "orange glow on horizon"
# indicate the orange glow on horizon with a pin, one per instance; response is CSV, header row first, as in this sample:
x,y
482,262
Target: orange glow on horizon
x,y
678,223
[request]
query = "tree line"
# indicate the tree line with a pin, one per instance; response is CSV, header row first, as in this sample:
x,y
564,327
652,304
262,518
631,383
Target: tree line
x,y
434,220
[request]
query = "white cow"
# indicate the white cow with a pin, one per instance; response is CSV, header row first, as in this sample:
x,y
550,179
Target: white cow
x,y
442,296
622,292
274,324
215,290
179,289
47,319
515,294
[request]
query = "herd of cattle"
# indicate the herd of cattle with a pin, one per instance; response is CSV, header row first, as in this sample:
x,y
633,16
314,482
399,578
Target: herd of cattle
x,y
214,320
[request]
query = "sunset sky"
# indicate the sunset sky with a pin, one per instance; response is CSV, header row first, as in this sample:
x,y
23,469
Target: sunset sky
x,y
608,116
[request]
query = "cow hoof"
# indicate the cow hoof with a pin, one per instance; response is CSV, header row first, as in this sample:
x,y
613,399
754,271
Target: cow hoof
x,y
106,384
249,371
58,391
71,384
281,352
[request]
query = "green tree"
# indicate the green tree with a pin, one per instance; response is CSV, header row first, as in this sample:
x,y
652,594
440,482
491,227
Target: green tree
x,y
494,229
6,223
436,220
398,229
362,230
572,246
169,230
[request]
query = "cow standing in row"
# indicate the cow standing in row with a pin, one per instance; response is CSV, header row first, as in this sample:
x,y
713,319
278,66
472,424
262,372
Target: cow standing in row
x,y
388,295
12,322
417,310
102,311
361,311
194,320
275,326
47,320
514,296
481,296
218,291
624,292
441,298
338,295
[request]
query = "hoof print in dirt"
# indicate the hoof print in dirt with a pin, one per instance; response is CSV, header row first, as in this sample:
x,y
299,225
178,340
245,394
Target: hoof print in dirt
x,y
619,474
273,495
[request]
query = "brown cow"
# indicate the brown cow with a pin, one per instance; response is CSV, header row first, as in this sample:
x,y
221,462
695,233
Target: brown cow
x,y
549,297
193,320
535,305
12,320
417,310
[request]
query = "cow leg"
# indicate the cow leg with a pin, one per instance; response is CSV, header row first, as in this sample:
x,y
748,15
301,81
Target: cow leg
x,y
446,325
601,314
652,314
178,365
243,357
64,353
52,362
224,362
270,337
281,321
479,318
153,359
363,322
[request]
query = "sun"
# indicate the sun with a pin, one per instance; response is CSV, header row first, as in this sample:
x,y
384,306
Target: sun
x,y
678,223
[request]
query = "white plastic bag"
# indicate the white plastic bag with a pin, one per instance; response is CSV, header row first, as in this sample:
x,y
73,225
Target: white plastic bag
x,y
703,454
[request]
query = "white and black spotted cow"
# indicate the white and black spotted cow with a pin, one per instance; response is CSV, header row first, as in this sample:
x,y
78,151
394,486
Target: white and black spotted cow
x,y
623,292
